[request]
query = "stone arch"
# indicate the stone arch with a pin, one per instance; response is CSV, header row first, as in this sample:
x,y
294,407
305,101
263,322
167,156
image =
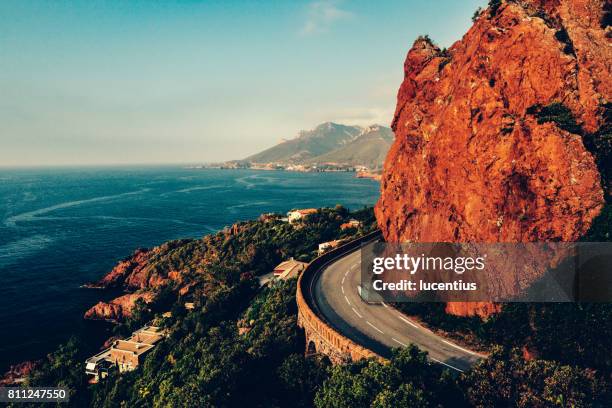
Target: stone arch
x,y
311,348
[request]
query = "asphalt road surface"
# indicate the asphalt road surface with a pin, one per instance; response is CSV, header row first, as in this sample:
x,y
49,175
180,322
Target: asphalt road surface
x,y
377,327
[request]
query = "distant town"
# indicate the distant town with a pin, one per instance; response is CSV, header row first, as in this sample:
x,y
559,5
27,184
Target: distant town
x,y
362,171
329,147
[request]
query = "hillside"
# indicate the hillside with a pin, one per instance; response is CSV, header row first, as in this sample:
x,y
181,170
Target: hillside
x,y
240,345
331,143
368,149
308,144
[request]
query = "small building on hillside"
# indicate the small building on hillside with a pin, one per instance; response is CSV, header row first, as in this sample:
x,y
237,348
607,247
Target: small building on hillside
x,y
126,354
350,224
296,215
289,269
326,246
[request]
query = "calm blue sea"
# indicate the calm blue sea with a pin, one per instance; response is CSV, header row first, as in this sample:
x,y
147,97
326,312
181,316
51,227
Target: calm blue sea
x,y
62,227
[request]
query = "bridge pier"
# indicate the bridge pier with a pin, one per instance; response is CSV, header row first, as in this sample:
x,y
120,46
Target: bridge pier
x,y
324,340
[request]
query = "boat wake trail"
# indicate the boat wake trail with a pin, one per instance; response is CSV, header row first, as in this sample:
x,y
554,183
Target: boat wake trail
x,y
31,215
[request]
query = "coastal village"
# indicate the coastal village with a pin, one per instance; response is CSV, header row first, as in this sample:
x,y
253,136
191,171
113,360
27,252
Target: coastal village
x,y
127,354
329,147
359,170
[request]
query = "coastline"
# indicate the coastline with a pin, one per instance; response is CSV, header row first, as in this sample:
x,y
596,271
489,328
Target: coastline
x,y
360,171
112,228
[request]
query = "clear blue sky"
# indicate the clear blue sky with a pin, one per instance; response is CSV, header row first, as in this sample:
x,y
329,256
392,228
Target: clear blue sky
x,y
116,82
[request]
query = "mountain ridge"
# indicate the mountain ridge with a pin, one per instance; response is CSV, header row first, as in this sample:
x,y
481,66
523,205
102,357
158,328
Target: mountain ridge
x,y
329,142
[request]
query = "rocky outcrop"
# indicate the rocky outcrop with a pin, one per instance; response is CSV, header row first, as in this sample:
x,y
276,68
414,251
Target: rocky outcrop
x,y
142,269
144,272
125,271
490,133
472,308
119,308
17,373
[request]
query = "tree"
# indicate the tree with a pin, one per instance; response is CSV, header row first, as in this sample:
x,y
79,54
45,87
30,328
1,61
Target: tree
x,y
506,379
409,379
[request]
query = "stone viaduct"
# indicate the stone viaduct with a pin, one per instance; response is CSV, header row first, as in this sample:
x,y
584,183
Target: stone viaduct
x,y
320,336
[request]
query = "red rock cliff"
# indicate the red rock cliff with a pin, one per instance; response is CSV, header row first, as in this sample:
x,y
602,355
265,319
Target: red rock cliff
x,y
471,161
118,308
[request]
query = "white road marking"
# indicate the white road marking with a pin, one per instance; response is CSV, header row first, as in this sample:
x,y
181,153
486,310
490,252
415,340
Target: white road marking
x,y
346,273
357,313
448,365
343,279
443,341
342,287
460,348
374,327
347,301
409,322
384,304
397,341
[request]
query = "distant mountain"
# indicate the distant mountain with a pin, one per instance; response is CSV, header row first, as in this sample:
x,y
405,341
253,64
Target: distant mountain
x,y
331,143
368,149
308,144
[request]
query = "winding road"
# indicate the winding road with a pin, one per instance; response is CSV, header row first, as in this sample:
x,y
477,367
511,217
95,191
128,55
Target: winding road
x,y
377,327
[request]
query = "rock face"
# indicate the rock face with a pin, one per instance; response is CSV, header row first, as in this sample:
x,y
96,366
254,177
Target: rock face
x,y
138,271
118,308
125,269
473,159
17,373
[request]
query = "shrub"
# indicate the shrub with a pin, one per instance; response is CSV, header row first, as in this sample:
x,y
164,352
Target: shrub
x,y
558,113
476,14
562,36
494,6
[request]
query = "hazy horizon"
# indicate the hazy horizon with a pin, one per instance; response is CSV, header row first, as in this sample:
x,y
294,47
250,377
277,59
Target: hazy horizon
x,y
186,82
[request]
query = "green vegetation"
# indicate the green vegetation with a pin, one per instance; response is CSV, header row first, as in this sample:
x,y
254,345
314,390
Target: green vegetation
x,y
570,333
425,38
599,143
205,361
63,368
562,36
331,143
577,334
368,149
447,58
606,18
506,380
240,345
408,380
433,314
494,6
601,229
476,14
558,113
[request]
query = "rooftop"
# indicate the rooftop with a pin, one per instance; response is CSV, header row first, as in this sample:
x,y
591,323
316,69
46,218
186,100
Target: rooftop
x,y
305,211
130,347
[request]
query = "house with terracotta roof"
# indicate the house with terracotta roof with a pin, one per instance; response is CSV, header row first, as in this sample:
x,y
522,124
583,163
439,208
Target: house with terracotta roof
x,y
296,215
289,269
326,246
126,354
350,224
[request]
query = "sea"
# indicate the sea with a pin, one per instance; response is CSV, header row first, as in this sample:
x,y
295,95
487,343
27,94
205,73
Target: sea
x,y
62,227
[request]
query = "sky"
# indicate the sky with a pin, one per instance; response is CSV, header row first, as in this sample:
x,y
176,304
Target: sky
x,y
134,82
